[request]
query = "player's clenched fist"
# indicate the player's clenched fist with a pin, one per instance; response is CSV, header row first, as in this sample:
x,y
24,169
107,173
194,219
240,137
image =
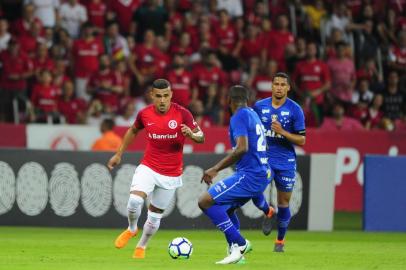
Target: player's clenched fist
x,y
208,175
186,131
114,161
277,127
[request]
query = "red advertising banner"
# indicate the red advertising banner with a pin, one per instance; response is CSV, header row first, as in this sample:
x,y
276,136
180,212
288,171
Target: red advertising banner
x,y
12,136
349,146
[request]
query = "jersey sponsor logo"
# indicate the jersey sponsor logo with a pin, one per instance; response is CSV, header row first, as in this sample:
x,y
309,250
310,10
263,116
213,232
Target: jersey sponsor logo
x,y
162,136
264,119
172,124
266,110
150,124
284,113
264,160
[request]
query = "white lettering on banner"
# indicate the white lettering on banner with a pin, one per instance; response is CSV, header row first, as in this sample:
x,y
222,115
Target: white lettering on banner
x,y
162,136
347,162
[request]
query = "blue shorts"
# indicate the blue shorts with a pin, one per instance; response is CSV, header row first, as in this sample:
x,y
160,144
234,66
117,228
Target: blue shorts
x,y
284,179
238,189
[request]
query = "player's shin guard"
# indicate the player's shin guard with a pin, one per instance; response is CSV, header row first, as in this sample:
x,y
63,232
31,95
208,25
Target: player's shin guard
x,y
219,217
134,208
283,221
151,226
261,203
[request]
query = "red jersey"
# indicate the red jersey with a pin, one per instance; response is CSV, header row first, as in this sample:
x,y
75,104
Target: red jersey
x,y
227,36
277,42
45,97
180,85
71,108
310,76
263,86
124,10
107,97
86,55
96,14
251,48
164,150
43,64
14,65
203,77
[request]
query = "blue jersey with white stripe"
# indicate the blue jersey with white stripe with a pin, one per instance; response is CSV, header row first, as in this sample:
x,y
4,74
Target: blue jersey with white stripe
x,y
245,122
281,152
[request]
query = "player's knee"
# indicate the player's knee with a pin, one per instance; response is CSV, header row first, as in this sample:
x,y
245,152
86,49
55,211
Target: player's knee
x,y
134,202
153,220
205,201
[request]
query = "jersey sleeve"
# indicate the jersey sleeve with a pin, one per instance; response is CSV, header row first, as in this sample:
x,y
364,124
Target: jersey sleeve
x,y
239,125
188,119
299,122
138,123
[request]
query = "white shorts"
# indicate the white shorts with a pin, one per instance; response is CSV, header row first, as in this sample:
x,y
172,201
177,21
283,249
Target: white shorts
x,y
160,187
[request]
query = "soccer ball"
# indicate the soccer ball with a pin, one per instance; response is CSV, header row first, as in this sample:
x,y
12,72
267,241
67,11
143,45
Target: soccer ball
x,y
180,248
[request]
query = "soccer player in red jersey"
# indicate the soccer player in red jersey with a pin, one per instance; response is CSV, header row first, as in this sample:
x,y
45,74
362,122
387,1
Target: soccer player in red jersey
x,y
167,125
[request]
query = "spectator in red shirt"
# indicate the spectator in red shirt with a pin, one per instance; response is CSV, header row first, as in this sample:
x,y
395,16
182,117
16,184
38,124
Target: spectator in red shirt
x,y
227,37
375,113
71,107
29,41
16,69
184,45
277,42
312,78
261,82
22,26
197,110
45,97
106,85
96,11
144,59
206,73
397,58
339,121
122,11
42,60
85,59
251,45
181,81
59,73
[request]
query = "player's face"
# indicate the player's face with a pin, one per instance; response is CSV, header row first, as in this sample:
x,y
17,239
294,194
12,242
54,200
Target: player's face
x,y
161,98
280,87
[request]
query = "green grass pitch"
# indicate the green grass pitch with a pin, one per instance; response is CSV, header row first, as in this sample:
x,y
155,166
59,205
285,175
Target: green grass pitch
x,y
59,249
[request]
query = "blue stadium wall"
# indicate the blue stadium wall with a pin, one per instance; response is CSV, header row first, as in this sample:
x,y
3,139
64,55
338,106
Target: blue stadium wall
x,y
384,193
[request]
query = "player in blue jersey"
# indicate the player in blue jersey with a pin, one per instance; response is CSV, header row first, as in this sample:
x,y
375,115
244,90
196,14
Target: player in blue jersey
x,y
252,174
284,123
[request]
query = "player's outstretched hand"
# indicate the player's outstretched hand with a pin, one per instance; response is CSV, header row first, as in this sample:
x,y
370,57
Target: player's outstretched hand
x,y
208,176
186,131
114,161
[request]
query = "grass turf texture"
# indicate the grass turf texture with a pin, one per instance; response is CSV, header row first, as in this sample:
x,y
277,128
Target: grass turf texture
x,y
59,249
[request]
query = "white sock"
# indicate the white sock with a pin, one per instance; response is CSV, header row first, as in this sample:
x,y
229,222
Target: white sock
x,y
151,226
134,208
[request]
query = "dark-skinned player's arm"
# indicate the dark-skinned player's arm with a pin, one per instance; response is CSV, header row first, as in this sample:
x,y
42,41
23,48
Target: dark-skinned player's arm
x,y
298,139
240,149
195,135
127,140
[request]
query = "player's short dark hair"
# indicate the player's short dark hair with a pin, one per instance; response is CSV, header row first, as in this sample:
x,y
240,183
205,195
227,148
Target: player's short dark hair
x,y
282,75
108,124
161,84
239,93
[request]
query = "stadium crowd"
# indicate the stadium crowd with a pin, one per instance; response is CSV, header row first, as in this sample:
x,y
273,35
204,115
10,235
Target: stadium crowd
x,y
80,62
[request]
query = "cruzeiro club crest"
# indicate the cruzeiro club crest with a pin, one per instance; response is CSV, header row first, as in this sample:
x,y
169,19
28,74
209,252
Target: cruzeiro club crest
x,y
172,124
274,117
